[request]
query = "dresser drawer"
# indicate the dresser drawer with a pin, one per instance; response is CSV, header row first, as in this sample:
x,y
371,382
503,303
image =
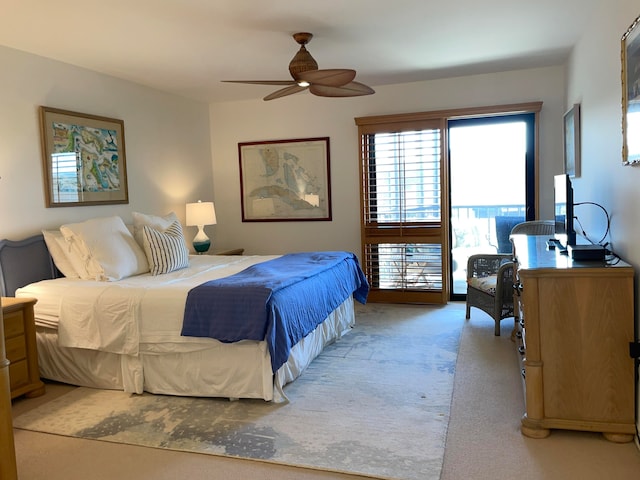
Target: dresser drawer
x,y
18,374
13,324
16,348
20,347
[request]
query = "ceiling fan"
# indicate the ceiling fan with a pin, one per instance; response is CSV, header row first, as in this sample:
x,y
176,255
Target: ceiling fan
x,y
335,82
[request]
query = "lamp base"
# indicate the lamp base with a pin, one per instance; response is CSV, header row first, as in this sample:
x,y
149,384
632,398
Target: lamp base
x,y
201,242
201,247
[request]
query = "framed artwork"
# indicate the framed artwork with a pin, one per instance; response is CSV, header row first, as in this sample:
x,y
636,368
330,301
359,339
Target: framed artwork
x,y
630,53
572,141
83,159
285,180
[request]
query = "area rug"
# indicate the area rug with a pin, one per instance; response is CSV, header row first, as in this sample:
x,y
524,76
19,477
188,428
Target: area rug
x,y
375,403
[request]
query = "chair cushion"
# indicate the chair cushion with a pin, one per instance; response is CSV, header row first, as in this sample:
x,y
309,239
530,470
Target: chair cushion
x,y
484,284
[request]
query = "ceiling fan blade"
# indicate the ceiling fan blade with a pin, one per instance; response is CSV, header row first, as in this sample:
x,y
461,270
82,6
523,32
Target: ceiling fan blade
x,y
352,89
283,92
330,82
262,82
333,77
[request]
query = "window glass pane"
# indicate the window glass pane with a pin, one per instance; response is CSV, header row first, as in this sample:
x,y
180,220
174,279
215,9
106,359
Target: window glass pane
x,y
488,195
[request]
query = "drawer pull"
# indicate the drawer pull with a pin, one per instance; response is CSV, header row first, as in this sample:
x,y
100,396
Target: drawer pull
x,y
521,350
518,334
523,373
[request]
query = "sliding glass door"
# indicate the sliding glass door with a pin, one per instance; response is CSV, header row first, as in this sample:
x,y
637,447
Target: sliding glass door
x,y
492,186
438,186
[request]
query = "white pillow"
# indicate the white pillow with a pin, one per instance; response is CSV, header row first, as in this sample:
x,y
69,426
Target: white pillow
x,y
106,248
153,221
166,250
58,251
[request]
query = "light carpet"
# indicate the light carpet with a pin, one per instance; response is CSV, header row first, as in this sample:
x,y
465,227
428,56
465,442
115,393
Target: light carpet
x,y
374,403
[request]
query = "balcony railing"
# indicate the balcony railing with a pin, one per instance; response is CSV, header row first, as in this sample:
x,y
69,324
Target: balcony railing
x,y
419,266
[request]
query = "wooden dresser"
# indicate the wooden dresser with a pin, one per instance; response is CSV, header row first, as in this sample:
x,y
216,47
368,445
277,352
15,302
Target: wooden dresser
x,y
20,344
575,325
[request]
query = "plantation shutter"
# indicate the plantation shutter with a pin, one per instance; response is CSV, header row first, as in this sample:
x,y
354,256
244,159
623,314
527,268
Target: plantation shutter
x,y
402,210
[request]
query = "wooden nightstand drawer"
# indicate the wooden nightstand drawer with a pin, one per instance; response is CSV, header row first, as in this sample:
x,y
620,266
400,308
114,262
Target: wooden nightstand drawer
x,y
20,346
13,324
16,348
18,374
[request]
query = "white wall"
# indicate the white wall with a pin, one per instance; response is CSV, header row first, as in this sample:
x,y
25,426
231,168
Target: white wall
x,y
167,143
594,82
170,142
303,116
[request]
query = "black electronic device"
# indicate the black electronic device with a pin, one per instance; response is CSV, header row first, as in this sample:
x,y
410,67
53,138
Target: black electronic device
x,y
586,252
563,209
552,243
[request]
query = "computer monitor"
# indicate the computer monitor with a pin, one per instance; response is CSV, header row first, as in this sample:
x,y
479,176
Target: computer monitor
x,y
563,209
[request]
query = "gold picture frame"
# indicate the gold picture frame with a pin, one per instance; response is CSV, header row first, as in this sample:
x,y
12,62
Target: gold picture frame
x,y
285,180
83,159
630,56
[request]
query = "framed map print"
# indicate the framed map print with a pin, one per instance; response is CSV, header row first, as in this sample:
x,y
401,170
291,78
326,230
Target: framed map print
x,y
83,159
285,180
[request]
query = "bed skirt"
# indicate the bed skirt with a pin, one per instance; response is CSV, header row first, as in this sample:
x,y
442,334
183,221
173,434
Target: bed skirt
x,y
230,370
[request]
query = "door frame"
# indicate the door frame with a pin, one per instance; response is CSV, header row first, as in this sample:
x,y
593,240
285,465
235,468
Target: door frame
x,y
371,123
531,119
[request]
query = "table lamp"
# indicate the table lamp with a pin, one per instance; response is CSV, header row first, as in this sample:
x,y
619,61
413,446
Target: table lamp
x,y
200,214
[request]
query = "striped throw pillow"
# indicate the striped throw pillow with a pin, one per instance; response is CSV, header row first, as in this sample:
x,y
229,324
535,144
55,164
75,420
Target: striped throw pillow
x,y
166,251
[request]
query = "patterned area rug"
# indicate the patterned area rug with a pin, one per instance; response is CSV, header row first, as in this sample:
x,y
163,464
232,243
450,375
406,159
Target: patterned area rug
x,y
375,403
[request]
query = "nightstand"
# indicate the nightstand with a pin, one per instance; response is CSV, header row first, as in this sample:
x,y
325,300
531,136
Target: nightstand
x,y
20,343
8,468
233,251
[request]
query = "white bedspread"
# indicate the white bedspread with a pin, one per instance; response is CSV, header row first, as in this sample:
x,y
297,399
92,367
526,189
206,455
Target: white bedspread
x,y
97,316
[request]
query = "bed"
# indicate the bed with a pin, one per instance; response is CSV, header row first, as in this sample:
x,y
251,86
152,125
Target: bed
x,y
126,329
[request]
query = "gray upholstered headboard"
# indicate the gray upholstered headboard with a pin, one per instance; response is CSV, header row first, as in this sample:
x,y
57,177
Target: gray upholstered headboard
x,y
23,262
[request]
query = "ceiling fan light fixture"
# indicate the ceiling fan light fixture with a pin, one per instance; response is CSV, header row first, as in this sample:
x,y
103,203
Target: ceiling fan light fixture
x,y
302,62
334,82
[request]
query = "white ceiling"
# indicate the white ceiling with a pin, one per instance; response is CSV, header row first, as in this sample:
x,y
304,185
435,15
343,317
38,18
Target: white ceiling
x,y
187,47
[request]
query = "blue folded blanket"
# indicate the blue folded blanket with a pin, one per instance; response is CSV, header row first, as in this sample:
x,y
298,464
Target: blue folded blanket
x,y
280,300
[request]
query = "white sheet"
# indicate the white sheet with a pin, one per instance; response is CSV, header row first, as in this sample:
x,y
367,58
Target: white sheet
x,y
99,316
145,351
235,370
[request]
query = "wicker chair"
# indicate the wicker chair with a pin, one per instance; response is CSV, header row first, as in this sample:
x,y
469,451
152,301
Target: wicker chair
x,y
490,285
490,276
535,227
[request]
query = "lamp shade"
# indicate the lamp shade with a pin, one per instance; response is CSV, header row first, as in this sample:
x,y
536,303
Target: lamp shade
x,y
201,213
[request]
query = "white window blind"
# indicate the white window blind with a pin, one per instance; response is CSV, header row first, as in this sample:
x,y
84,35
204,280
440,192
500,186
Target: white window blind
x,y
65,177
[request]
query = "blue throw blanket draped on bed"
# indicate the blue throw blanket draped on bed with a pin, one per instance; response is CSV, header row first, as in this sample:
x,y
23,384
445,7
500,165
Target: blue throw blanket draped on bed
x,y
280,300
